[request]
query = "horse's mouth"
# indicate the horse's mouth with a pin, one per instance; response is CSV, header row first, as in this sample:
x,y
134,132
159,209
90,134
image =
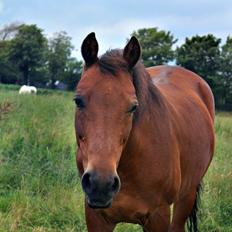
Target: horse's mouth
x,y
99,205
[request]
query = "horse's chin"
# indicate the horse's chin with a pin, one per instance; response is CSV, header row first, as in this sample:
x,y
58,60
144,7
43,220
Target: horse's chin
x,y
99,205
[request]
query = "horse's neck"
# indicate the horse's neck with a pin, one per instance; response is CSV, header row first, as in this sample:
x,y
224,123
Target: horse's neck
x,y
155,115
151,122
152,103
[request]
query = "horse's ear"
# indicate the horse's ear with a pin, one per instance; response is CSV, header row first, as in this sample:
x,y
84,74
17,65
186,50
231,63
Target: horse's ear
x,y
132,52
89,49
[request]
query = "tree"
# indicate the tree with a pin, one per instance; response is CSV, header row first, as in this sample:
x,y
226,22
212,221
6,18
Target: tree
x,y
156,45
72,73
226,70
9,73
200,54
60,49
28,50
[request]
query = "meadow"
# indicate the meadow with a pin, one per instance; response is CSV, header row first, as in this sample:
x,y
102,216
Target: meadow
x,y
39,186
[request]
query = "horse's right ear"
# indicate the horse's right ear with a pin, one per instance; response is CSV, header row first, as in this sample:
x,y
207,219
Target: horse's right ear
x,y
89,49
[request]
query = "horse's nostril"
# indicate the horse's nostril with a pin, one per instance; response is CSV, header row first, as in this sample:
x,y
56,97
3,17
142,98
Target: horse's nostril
x,y
116,184
95,187
86,181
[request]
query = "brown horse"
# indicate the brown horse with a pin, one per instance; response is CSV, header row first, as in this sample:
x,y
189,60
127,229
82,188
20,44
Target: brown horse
x,y
145,139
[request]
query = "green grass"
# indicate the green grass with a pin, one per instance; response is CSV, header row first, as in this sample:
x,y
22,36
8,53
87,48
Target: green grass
x,y
217,195
39,185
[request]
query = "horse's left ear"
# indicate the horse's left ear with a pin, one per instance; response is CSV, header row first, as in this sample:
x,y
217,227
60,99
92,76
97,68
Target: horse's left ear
x,y
132,52
89,49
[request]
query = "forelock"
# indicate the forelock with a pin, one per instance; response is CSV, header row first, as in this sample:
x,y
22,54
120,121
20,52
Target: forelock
x,y
112,62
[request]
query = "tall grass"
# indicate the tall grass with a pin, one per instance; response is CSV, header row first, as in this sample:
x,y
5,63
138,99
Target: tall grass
x,y
39,189
39,185
217,195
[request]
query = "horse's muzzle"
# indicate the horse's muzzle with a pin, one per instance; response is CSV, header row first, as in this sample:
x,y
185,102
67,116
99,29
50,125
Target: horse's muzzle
x,y
100,190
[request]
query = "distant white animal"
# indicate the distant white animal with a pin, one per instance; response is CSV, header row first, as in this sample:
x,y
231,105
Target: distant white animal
x,y
27,89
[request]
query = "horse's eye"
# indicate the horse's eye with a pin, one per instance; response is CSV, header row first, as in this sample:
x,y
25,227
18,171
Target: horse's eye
x,y
79,102
133,108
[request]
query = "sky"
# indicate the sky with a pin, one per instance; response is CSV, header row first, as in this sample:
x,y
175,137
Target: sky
x,y
114,21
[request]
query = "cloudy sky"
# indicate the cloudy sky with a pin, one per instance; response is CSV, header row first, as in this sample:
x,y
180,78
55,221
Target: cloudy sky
x,y
114,20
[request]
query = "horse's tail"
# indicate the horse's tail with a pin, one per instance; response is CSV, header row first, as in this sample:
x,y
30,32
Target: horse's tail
x,y
192,224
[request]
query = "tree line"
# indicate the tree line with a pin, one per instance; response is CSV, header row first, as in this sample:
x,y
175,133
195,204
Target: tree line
x,y
27,56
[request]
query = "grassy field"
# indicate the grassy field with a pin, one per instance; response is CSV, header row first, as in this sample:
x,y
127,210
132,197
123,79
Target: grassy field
x,y
39,185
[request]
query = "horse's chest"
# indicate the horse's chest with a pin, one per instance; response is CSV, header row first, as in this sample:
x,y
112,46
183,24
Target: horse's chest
x,y
134,204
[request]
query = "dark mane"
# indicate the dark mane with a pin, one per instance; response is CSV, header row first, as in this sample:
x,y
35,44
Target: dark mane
x,y
112,62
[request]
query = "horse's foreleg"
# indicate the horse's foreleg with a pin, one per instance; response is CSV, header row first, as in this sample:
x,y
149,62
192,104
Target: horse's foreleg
x,y
96,223
181,211
158,221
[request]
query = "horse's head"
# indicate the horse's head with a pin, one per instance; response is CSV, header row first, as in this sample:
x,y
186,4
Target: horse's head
x,y
106,100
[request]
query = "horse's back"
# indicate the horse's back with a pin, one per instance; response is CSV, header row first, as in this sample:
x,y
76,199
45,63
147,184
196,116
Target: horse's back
x,y
182,82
